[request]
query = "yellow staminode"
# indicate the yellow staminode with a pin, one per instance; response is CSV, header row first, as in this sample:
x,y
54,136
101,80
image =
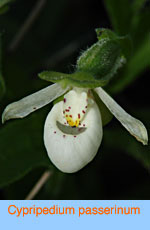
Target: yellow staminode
x,y
71,122
74,106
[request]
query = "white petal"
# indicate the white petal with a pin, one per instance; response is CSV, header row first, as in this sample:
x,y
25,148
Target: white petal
x,y
134,126
70,152
32,102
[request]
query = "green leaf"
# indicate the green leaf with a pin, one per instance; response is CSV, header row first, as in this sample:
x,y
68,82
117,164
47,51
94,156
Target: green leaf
x,y
53,76
4,2
137,5
2,84
100,59
140,27
97,65
129,17
21,148
4,9
120,15
125,42
78,79
105,33
136,65
105,57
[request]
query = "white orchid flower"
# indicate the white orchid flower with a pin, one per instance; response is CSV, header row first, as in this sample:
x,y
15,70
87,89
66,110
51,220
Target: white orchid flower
x,y
73,128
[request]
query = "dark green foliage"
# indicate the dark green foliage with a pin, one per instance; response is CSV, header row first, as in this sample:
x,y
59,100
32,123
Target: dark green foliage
x,y
2,84
131,18
21,148
121,167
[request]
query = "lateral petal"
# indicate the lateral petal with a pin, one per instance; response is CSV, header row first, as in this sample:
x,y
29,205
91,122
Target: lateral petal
x,y
32,102
133,125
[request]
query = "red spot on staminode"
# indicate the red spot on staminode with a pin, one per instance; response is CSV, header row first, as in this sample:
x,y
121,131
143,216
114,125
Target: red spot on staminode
x,y
84,125
63,112
86,106
75,136
79,115
66,115
79,123
55,132
83,111
64,100
67,110
70,116
64,136
69,107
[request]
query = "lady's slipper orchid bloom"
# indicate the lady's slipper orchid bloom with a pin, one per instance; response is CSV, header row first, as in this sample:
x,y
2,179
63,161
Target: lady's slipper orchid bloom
x,y
73,128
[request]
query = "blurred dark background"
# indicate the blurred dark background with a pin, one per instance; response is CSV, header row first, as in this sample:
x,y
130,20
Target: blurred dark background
x,y
54,37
